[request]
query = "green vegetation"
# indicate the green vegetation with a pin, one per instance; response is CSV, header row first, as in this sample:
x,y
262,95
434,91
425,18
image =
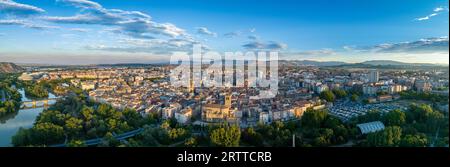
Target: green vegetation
x,y
419,126
334,94
225,136
36,91
166,134
324,129
435,98
340,93
9,98
354,97
328,96
33,89
388,137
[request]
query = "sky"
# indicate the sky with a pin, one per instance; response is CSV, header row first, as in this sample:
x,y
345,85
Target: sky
x,y
149,31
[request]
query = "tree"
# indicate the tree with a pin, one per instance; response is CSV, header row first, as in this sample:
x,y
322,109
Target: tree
x,y
355,97
340,93
190,142
176,134
395,118
325,137
52,116
133,118
328,96
22,137
73,126
250,136
313,119
47,133
76,143
389,137
226,136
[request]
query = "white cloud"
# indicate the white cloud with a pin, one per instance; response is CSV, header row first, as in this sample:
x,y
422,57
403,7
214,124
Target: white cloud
x,y
427,45
132,23
253,37
12,8
321,52
232,34
82,3
437,11
271,45
441,8
205,31
79,29
26,24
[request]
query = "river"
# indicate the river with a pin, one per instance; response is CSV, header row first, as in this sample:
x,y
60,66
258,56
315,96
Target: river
x,y
10,124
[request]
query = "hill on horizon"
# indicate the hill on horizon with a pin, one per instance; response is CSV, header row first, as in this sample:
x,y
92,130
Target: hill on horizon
x,y
7,67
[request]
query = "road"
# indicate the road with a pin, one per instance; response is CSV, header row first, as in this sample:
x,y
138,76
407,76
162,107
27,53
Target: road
x,y
97,141
3,95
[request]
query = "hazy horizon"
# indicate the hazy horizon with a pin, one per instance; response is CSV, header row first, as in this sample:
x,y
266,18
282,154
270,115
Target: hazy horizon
x,y
106,32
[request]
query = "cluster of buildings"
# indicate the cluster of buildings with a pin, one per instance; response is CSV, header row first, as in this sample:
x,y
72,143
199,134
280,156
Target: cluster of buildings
x,y
148,90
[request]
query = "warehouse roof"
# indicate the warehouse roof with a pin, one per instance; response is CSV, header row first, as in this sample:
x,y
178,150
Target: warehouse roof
x,y
370,127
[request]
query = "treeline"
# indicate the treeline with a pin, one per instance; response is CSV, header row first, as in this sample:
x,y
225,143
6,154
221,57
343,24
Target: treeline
x,y
34,89
9,98
419,126
75,120
335,94
436,98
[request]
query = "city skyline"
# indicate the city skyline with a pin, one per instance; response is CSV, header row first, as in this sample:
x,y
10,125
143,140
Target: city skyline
x,y
102,32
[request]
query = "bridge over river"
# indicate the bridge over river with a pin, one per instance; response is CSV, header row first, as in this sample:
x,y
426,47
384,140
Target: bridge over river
x,y
38,103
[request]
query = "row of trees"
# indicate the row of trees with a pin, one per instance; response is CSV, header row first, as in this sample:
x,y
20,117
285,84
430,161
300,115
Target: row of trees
x,y
332,95
9,98
35,90
436,98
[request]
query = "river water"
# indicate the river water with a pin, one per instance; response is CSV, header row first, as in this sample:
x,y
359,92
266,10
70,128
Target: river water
x,y
10,124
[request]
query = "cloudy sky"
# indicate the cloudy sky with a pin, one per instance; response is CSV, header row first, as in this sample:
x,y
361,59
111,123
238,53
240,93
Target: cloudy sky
x,y
147,31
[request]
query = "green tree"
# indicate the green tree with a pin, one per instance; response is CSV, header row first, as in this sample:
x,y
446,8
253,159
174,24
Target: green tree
x,y
47,133
73,126
328,96
340,93
394,118
313,118
250,136
190,142
354,97
76,143
419,140
22,138
389,137
52,116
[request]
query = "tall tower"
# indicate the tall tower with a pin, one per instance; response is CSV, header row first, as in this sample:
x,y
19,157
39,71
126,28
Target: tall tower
x,y
228,100
374,76
191,86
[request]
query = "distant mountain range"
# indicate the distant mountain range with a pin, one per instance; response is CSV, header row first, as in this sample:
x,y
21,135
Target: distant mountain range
x,y
395,63
6,67
339,63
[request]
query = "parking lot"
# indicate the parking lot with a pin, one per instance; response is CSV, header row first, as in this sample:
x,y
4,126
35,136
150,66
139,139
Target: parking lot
x,y
347,110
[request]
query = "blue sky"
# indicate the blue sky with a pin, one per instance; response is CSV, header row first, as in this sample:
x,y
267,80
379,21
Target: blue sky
x,y
145,31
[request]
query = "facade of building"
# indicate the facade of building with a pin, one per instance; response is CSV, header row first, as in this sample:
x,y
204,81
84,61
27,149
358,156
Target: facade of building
x,y
374,76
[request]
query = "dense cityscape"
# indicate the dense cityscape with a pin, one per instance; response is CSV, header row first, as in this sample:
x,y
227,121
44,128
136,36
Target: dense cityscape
x,y
215,73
